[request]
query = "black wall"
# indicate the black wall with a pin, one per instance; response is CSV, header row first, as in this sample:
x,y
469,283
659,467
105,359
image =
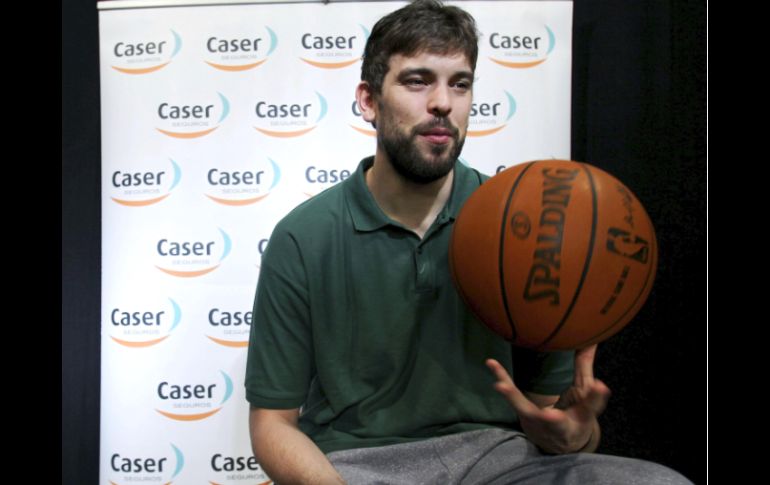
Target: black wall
x,y
638,112
81,243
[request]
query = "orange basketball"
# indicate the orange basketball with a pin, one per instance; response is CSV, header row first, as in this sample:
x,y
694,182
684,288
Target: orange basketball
x,y
554,254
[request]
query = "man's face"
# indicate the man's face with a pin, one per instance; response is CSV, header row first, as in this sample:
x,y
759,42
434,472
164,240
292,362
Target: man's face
x,y
422,114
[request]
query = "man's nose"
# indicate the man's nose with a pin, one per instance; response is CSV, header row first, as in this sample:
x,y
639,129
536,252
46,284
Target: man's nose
x,y
439,101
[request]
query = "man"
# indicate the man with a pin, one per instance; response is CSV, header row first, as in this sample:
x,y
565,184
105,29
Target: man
x,y
364,365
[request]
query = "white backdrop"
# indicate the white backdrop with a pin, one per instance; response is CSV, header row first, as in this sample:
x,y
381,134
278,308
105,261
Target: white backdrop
x,y
216,121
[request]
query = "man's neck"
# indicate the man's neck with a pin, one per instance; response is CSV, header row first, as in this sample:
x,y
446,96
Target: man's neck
x,y
414,205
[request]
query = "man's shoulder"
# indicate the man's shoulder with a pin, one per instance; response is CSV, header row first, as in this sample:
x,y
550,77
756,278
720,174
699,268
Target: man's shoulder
x,y
316,213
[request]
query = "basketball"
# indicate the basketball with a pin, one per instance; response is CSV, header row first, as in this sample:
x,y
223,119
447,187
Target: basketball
x,y
553,254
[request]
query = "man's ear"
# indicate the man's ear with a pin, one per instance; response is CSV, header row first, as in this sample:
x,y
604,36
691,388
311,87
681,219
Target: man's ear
x,y
366,102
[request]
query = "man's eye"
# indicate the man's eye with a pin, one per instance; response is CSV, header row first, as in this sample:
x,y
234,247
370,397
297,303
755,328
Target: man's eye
x,y
415,82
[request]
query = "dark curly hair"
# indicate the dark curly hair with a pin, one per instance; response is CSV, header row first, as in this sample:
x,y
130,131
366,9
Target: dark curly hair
x,y
422,26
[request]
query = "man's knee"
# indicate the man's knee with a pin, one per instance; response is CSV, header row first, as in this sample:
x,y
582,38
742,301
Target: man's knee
x,y
631,471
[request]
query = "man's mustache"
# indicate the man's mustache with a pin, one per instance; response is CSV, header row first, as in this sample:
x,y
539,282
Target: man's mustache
x,y
436,123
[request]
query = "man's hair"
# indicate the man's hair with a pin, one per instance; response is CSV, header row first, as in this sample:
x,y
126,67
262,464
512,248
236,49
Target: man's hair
x,y
422,26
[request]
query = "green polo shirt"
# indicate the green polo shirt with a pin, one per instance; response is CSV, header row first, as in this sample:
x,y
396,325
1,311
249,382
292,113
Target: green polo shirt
x,y
357,321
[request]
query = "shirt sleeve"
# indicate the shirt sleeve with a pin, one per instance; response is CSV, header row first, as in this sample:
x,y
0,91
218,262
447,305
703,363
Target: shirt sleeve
x,y
279,366
549,373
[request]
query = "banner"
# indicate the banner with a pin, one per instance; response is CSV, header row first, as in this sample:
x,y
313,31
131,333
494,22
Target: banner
x,y
216,121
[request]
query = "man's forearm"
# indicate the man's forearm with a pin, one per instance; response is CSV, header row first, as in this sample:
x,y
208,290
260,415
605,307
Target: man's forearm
x,y
289,457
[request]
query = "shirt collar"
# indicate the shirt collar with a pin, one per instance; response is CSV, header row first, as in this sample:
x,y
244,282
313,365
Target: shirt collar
x,y
367,215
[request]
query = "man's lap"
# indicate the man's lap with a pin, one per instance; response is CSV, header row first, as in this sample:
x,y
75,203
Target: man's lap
x,y
491,456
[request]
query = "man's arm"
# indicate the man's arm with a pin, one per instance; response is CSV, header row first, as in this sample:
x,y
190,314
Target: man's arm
x,y
286,454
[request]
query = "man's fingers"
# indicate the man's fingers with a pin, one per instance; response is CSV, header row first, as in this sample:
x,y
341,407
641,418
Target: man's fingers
x,y
592,402
597,397
584,366
507,388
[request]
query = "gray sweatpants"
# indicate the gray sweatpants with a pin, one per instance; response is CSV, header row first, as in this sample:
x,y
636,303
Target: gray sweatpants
x,y
491,457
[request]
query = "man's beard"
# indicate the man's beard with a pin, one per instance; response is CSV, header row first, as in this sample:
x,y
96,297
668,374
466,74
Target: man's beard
x,y
406,157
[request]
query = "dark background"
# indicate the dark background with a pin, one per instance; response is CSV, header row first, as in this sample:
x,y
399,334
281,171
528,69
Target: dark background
x,y
638,111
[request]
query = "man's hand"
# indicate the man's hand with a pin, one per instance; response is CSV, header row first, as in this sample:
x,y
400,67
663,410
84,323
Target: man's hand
x,y
570,424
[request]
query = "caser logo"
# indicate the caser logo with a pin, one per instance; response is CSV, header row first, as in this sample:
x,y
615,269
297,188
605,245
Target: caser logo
x,y
522,50
231,327
156,468
489,118
235,54
289,119
237,469
190,257
139,188
242,187
182,401
318,179
187,121
147,55
332,51
139,326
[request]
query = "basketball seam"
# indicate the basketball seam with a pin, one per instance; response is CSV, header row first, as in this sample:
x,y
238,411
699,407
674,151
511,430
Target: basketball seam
x,y
502,250
587,265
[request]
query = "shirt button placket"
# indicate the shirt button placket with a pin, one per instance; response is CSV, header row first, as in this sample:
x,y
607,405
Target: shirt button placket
x,y
422,266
